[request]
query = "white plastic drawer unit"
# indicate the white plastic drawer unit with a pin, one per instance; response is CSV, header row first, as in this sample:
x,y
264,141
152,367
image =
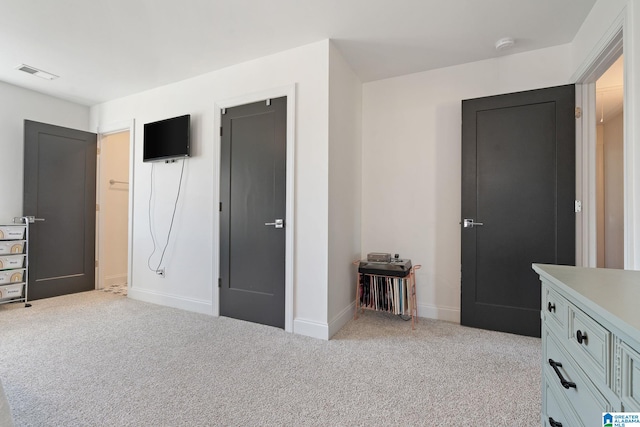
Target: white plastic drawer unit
x,y
8,292
11,261
12,232
9,247
11,276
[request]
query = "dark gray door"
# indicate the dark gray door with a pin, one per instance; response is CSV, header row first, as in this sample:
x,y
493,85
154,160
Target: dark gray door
x,y
252,194
60,187
518,180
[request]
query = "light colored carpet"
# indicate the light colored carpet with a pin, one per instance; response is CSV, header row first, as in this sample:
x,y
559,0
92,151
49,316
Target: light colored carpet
x,y
97,359
118,289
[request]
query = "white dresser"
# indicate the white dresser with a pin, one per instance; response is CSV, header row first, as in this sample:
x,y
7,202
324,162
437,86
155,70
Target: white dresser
x,y
590,344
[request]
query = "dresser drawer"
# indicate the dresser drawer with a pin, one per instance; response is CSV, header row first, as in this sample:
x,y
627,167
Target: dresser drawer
x,y
584,397
557,412
555,309
590,345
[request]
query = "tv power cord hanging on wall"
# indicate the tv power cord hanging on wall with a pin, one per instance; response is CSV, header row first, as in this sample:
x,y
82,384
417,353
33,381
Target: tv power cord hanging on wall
x,y
158,270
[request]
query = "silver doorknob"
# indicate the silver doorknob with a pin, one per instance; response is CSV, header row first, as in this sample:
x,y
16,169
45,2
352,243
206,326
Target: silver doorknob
x,y
278,224
469,223
25,219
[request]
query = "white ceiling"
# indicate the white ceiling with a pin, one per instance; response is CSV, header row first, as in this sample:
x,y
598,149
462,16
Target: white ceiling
x,y
107,49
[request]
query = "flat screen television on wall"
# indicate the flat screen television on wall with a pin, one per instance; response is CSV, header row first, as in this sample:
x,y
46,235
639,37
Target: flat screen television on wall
x,y
167,139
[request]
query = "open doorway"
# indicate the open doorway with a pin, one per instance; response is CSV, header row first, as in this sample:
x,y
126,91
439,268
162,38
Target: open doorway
x,y
610,166
112,215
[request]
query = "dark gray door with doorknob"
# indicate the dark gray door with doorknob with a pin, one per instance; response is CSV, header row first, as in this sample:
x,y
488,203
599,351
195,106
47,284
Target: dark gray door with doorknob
x,y
252,212
60,191
518,193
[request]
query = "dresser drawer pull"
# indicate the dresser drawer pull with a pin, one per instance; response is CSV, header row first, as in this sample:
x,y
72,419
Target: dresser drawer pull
x,y
566,384
581,336
551,307
554,423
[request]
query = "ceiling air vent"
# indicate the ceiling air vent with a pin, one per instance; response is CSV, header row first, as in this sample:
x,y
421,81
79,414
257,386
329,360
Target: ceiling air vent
x,y
36,72
27,69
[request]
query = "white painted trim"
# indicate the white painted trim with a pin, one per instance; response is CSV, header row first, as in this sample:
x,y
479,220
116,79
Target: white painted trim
x,y
290,92
580,216
98,226
115,127
189,304
606,51
631,132
123,126
342,319
449,314
311,329
586,146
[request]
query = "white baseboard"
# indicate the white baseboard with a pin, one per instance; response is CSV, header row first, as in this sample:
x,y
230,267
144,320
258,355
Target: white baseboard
x,y
341,319
197,306
448,314
116,279
311,329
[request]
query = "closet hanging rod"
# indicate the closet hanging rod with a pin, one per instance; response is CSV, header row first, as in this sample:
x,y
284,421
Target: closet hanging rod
x,y
113,181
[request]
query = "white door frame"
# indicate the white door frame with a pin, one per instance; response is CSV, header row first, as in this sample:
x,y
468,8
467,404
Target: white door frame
x,y
124,126
602,57
290,92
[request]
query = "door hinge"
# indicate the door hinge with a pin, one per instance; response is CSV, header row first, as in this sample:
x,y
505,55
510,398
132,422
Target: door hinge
x,y
219,282
96,263
220,130
98,151
578,112
578,206
224,111
97,207
268,102
220,206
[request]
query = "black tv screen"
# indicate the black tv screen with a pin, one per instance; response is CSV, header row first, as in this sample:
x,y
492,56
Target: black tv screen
x,y
167,139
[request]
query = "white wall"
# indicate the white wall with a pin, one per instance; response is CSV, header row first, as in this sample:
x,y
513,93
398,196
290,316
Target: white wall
x,y
610,192
191,260
345,152
16,105
594,27
113,216
411,171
